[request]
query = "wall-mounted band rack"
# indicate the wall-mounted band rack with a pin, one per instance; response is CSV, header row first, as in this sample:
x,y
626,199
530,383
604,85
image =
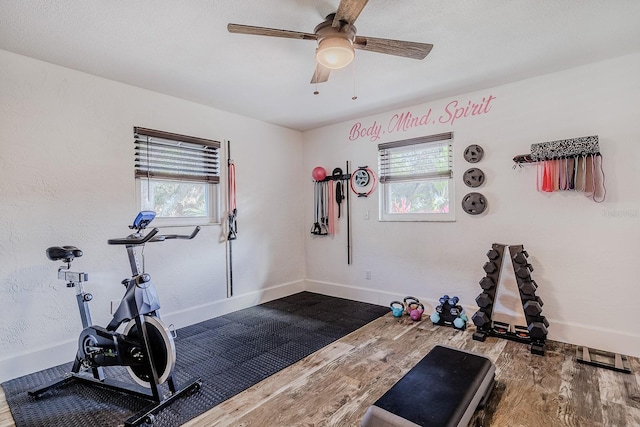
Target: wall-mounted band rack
x,y
568,164
563,148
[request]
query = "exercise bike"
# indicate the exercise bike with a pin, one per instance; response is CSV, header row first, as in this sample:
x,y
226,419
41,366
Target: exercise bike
x,y
145,347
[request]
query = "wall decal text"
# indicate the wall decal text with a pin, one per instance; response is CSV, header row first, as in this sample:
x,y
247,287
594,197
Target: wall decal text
x,y
401,122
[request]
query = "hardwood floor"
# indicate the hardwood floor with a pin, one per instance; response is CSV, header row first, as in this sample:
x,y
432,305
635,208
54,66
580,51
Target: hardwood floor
x,y
335,386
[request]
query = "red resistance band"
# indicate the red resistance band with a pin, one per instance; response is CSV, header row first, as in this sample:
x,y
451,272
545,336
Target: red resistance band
x,y
233,211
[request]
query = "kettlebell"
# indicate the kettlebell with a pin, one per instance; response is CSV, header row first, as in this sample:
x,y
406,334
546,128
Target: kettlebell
x,y
409,302
416,313
397,308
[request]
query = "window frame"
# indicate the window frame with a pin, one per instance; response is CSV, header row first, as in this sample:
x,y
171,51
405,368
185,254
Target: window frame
x,y
207,171
387,178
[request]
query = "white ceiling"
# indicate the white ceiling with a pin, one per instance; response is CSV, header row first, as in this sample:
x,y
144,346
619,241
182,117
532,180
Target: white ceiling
x,y
183,49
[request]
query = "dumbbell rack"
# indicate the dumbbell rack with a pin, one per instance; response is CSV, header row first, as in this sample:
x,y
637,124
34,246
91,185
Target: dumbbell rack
x,y
535,333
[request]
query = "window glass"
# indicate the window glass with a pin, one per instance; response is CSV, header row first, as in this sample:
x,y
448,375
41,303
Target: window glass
x,y
416,179
175,199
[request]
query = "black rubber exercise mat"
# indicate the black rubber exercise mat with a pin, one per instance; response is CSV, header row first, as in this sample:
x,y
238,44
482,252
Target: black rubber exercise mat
x,y
229,353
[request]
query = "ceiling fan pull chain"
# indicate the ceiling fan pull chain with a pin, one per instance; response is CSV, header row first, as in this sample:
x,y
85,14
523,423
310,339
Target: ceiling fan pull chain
x,y
354,97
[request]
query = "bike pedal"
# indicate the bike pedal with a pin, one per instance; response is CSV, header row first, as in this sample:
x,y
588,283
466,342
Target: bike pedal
x,y
172,331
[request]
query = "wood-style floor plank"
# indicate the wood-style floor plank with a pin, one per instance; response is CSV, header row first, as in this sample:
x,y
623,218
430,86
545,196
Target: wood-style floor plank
x,y
632,385
336,385
6,420
260,394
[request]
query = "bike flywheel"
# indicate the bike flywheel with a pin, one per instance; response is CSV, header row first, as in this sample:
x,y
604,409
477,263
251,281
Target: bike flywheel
x,y
163,351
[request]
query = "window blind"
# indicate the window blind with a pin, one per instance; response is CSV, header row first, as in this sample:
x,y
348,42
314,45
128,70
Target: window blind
x,y
428,157
168,155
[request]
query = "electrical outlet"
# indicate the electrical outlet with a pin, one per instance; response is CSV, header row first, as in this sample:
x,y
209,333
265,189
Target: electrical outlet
x,y
367,275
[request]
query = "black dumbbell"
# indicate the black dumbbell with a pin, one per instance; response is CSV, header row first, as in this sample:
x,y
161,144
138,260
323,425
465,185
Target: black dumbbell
x,y
537,330
493,254
521,257
484,300
487,283
533,308
523,273
490,267
480,318
543,320
528,287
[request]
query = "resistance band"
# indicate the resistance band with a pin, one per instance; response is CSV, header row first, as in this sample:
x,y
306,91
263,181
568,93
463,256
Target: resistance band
x,y
583,174
232,218
233,209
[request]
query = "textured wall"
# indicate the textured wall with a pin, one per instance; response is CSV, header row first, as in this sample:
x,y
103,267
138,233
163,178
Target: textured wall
x,y
584,254
66,177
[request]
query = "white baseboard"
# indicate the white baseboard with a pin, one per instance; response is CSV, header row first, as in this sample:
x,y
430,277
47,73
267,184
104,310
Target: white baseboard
x,y
372,296
571,333
17,365
595,337
217,308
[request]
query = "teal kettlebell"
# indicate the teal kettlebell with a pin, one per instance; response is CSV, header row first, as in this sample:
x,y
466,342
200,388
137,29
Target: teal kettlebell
x,y
397,308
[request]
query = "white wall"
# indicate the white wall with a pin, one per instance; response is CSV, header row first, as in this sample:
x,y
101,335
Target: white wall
x,y
584,253
66,178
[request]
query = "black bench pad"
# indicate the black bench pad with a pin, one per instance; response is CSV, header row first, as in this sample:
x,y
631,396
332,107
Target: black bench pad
x,y
443,389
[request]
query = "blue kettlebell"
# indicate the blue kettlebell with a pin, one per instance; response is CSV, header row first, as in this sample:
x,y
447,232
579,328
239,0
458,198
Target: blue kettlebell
x,y
397,308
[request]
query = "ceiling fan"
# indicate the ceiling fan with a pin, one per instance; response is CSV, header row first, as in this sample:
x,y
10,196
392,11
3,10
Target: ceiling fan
x,y
337,38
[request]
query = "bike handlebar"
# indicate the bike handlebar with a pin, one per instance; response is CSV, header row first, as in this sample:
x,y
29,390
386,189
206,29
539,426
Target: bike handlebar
x,y
151,237
132,240
177,236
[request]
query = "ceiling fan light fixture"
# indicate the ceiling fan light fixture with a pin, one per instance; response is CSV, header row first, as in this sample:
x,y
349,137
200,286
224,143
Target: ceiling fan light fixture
x,y
335,52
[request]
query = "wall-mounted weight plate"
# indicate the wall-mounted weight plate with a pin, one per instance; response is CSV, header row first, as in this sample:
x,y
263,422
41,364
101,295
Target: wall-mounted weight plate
x,y
474,203
473,153
361,177
473,177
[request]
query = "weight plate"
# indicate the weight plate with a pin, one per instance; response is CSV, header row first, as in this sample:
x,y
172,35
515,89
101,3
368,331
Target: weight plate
x,y
473,153
473,177
474,203
361,177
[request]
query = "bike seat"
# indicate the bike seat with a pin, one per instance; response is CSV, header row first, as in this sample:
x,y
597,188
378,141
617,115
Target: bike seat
x,y
67,253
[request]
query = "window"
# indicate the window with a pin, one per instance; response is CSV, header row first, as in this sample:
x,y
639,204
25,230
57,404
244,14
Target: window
x,y
416,179
177,176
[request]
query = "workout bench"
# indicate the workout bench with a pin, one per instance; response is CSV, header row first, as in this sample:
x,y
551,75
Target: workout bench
x,y
443,389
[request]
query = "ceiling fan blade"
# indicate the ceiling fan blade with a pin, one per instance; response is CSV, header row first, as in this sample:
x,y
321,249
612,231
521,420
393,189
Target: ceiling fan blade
x,y
321,74
348,11
271,32
413,50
